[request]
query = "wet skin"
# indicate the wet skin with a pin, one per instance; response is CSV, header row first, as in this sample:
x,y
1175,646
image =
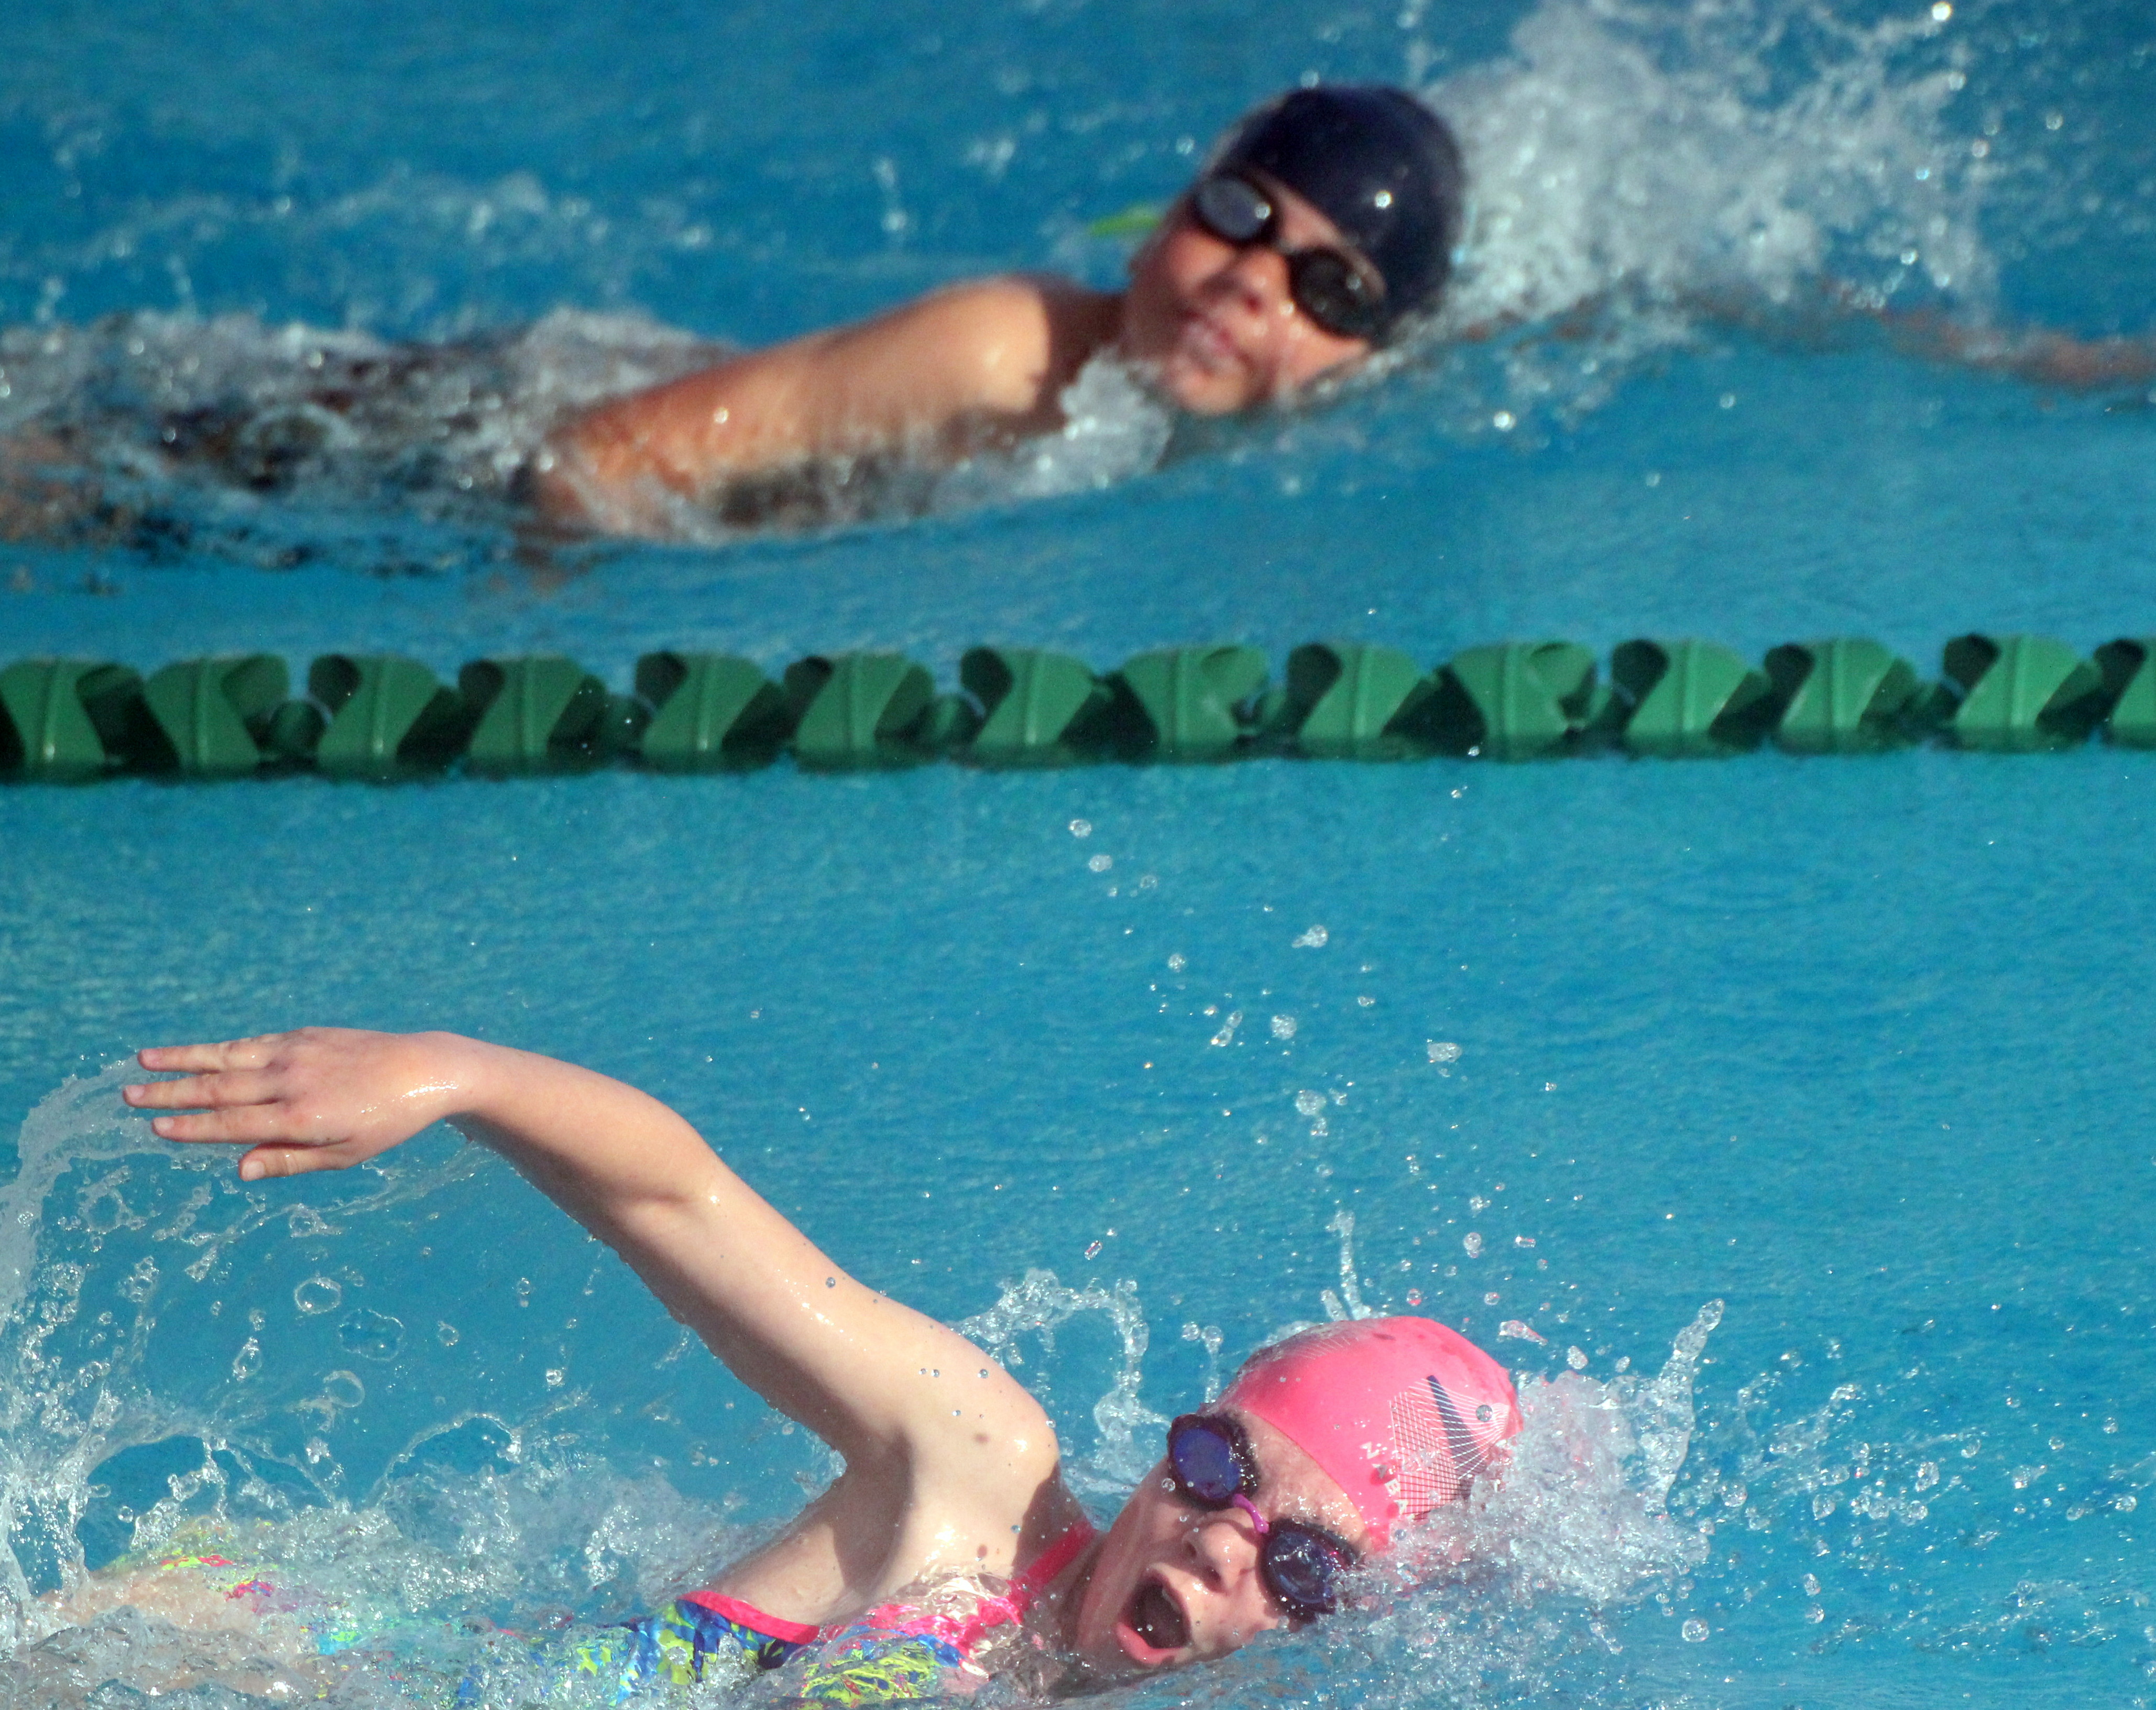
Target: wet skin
x,y
1169,1570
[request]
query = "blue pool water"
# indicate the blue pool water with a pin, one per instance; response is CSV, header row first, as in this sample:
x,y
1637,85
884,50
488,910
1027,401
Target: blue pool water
x,y
1854,1049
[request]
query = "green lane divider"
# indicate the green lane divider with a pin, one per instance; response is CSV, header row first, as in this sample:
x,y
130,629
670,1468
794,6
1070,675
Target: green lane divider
x,y
707,712
384,717
1691,700
1037,708
381,718
1844,697
2129,678
541,714
2019,693
1187,703
1520,700
1344,700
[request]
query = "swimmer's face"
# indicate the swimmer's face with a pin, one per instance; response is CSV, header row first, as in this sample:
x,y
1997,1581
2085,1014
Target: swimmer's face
x,y
1175,1584
1215,323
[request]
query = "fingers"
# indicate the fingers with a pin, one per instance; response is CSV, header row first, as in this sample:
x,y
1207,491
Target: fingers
x,y
249,1124
267,1162
229,1054
216,1089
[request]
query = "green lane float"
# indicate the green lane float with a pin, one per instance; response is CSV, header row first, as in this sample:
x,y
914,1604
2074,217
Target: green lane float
x,y
65,720
1037,708
1187,703
545,713
2128,666
707,712
1690,700
1518,700
381,718
1843,697
2020,693
1344,700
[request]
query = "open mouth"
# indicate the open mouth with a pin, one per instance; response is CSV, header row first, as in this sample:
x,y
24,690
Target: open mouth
x,y
1157,1620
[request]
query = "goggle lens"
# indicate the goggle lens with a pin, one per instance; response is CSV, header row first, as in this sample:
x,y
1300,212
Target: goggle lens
x,y
1327,287
1233,209
1205,1464
1302,1569
1300,1564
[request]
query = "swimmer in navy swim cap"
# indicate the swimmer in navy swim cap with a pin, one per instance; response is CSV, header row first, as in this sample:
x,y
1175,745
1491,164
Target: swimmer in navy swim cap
x,y
1321,224
950,1551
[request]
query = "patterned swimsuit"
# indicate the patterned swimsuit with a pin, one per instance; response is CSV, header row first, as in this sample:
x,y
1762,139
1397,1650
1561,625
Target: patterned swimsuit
x,y
924,1650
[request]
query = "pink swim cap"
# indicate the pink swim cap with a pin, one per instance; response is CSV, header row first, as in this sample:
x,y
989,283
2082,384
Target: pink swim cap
x,y
1401,1413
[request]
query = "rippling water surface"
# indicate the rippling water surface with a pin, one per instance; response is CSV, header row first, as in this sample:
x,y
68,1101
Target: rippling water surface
x,y
1784,1124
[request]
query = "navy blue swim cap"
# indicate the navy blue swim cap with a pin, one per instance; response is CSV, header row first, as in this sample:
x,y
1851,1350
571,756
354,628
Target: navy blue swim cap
x,y
1375,162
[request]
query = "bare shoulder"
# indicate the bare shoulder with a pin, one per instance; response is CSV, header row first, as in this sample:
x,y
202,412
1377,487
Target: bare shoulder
x,y
1007,344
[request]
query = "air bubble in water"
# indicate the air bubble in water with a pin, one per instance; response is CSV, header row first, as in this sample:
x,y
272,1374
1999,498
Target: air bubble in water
x,y
1695,1630
248,1361
1314,939
318,1294
1283,1027
1081,828
1473,1243
1443,1050
1309,1103
1178,962
1576,1358
447,1333
1100,863
1928,1475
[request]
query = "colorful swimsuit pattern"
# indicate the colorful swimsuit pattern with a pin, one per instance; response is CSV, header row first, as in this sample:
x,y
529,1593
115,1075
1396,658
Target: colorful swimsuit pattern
x,y
893,1651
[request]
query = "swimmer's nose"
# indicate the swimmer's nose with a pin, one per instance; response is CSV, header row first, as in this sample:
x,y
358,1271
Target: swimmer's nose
x,y
1224,1548
1254,279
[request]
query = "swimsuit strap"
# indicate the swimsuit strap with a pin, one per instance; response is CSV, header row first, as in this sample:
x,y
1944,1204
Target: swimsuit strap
x,y
1025,1588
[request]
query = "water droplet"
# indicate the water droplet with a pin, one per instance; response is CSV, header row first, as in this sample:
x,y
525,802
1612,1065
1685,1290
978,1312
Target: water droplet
x,y
1504,421
370,1335
1414,1297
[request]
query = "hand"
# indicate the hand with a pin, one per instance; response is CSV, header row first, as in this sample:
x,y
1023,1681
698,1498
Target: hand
x,y
321,1098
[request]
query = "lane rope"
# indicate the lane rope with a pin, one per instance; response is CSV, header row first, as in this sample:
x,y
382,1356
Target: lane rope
x,y
383,717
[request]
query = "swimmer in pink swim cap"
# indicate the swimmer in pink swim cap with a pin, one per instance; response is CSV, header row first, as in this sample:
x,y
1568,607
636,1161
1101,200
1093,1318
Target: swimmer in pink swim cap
x,y
950,1550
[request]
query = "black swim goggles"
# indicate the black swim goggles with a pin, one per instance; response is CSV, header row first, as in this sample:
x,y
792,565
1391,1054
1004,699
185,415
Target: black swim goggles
x,y
1340,292
1208,1459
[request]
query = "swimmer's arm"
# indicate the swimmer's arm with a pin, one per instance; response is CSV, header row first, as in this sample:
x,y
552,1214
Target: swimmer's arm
x,y
851,1364
976,362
